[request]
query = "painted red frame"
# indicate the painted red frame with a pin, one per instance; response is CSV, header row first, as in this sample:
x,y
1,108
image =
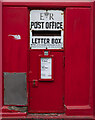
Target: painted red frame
x,y
46,56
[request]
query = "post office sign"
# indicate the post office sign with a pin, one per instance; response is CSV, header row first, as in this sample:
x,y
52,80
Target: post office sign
x,y
46,29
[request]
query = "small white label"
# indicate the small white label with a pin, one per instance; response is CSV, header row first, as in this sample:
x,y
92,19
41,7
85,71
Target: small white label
x,y
46,68
45,52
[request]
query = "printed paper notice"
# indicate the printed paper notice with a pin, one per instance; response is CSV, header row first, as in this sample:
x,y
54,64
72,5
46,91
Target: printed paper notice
x,y
46,68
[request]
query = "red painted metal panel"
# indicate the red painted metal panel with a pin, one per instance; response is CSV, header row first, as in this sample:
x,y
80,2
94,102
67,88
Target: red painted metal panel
x,y
15,22
77,68
48,1
94,57
0,58
48,116
48,97
60,116
47,4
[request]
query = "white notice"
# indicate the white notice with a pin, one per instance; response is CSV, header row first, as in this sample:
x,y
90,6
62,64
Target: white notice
x,y
46,68
46,29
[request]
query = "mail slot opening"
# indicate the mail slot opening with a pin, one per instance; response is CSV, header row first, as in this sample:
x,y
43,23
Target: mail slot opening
x,y
46,33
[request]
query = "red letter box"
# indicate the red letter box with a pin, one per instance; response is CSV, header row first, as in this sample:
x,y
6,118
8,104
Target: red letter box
x,y
47,55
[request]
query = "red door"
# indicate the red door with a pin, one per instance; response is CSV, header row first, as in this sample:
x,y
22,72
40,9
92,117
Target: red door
x,y
46,96
46,66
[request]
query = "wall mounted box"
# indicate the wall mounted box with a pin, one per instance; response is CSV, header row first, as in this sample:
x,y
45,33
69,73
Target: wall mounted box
x,y
52,44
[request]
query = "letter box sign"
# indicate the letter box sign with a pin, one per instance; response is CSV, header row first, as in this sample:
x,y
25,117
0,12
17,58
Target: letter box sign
x,y
46,29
